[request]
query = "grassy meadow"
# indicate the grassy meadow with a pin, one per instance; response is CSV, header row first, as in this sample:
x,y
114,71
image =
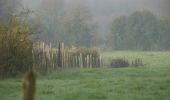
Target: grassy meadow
x,y
148,82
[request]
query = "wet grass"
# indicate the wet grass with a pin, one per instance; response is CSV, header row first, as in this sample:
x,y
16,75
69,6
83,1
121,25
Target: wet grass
x,y
148,82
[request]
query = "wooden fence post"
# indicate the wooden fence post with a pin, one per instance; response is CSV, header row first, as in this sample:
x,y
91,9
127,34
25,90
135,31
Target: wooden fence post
x,y
59,62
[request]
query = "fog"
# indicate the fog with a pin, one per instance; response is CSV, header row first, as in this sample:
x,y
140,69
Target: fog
x,y
96,22
85,49
104,11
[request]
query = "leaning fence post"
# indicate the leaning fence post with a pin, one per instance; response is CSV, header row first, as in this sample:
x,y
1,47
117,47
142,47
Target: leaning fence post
x,y
59,62
81,61
89,61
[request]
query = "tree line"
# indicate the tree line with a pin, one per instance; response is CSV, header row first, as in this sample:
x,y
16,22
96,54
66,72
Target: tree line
x,y
141,30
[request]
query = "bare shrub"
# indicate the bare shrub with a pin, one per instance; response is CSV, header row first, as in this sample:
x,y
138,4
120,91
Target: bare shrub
x,y
119,62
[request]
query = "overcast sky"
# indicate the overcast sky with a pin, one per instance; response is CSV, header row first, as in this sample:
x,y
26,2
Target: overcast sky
x,y
109,7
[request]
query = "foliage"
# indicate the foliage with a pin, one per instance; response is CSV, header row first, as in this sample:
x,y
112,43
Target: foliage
x,y
72,25
139,31
79,27
51,19
15,47
164,29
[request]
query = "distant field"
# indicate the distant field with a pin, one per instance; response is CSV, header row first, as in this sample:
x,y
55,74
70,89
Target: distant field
x,y
150,59
148,82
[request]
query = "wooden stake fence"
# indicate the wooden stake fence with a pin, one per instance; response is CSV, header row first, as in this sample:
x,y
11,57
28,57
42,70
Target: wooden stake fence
x,y
45,57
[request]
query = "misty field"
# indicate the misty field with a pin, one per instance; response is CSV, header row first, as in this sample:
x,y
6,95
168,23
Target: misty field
x,y
148,82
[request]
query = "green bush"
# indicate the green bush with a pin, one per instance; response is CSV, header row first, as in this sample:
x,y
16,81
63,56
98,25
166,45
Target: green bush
x,y
15,48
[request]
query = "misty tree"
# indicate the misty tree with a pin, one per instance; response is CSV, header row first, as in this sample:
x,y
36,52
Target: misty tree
x,y
15,42
50,14
15,47
139,31
164,29
164,25
118,30
142,27
79,26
